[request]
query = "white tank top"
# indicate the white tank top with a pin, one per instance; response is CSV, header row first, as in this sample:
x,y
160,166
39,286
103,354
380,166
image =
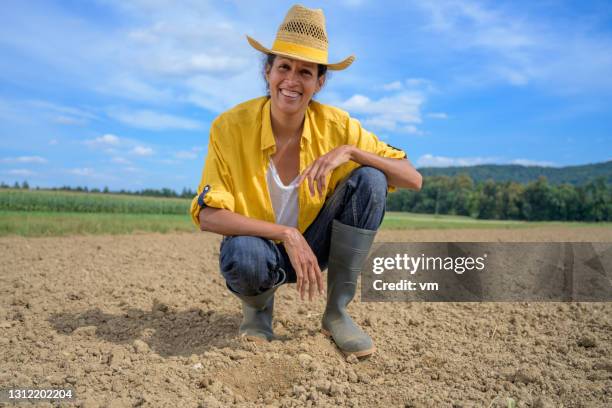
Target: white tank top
x,y
284,198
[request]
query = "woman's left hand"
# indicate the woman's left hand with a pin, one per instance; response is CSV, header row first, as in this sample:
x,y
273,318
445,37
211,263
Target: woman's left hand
x,y
319,169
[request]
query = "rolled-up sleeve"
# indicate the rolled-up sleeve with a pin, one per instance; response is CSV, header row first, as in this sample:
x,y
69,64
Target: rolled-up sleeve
x,y
215,189
367,141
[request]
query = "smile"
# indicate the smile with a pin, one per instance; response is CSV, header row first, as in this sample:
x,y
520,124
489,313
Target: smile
x,y
290,94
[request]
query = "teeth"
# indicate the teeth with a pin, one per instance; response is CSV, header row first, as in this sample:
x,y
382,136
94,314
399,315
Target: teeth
x,y
290,94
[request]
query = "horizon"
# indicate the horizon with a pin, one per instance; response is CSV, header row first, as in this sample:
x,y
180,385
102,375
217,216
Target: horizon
x,y
121,93
193,189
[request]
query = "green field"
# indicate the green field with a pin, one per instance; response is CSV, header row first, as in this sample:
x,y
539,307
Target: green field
x,y
402,220
67,201
71,223
54,213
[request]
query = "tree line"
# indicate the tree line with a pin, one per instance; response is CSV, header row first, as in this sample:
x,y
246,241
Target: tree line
x,y
534,201
148,192
460,195
575,175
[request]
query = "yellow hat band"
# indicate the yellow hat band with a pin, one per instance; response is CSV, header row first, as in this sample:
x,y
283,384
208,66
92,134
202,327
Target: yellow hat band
x,y
300,50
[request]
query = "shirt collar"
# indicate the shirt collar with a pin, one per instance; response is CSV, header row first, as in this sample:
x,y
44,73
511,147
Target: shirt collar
x,y
267,136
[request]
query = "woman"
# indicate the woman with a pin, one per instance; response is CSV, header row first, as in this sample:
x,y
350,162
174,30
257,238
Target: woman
x,y
296,186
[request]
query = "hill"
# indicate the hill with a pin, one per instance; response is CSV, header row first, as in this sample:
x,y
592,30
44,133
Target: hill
x,y
576,175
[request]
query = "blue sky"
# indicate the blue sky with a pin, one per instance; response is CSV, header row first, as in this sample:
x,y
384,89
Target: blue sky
x,y
121,93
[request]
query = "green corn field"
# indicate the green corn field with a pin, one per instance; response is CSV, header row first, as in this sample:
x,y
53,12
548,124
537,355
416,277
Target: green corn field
x,y
64,201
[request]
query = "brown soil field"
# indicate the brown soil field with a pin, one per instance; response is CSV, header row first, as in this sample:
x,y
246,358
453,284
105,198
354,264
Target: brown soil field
x,y
146,320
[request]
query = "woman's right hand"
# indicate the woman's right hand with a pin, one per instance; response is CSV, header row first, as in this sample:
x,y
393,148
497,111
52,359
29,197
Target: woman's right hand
x,y
303,260
305,264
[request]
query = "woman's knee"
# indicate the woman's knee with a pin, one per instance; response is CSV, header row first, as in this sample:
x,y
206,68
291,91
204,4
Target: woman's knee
x,y
247,263
370,182
368,198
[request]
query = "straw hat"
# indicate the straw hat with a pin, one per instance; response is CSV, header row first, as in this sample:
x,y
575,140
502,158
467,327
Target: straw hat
x,y
302,36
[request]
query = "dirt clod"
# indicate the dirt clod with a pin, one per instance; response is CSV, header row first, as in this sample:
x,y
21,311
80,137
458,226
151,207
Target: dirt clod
x,y
587,341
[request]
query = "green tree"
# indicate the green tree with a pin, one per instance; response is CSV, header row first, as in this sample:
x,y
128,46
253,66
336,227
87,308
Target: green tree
x,y
571,206
511,204
486,200
462,189
597,200
538,200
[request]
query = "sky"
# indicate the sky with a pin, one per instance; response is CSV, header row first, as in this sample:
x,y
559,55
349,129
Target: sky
x,y
121,93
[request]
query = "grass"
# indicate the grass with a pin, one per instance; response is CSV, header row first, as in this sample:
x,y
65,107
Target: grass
x,y
39,223
66,223
401,220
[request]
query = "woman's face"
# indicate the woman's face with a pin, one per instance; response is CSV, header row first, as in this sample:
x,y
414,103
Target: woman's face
x,y
292,84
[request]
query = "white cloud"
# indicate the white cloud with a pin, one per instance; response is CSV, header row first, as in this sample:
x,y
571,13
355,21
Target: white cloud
x,y
380,122
117,147
411,129
196,152
146,119
514,48
142,151
64,115
190,154
473,24
186,154
357,103
20,172
392,86
24,159
126,86
420,83
198,64
104,140
527,162
513,76
216,95
68,120
30,111
181,43
398,112
149,51
83,171
189,52
437,115
429,160
121,160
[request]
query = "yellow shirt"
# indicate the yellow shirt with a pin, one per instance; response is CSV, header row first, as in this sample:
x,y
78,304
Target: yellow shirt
x,y
241,142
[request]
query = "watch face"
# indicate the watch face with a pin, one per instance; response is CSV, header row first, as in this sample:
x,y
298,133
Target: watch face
x,y
202,194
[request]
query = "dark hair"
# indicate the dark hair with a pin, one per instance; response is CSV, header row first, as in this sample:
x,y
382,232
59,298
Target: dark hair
x,y
269,61
321,69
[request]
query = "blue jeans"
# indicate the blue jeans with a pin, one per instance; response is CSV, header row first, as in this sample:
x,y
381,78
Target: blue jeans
x,y
251,264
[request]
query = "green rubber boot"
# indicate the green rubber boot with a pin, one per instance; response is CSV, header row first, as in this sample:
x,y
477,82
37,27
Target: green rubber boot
x,y
348,250
257,313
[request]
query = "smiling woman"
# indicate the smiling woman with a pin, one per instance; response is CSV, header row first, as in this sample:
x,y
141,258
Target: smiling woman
x,y
269,62
296,186
298,81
